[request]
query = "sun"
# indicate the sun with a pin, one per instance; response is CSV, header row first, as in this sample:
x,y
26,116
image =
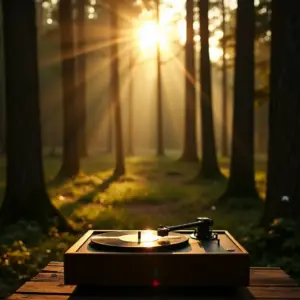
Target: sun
x,y
171,29
150,35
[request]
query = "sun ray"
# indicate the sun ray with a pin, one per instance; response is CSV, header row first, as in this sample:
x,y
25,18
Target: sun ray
x,y
181,66
87,50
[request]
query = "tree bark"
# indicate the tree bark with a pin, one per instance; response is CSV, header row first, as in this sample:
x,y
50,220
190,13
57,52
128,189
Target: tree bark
x,y
130,97
81,77
242,180
160,125
283,192
190,143
224,143
116,101
2,94
25,196
70,165
209,165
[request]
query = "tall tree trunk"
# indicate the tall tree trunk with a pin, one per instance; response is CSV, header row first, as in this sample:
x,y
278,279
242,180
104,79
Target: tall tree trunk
x,y
110,112
25,196
110,122
209,165
224,143
283,192
160,125
130,97
190,143
70,164
242,181
115,82
81,77
2,93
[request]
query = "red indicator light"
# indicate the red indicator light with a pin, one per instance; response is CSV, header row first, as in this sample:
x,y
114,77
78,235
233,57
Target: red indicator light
x,y
155,283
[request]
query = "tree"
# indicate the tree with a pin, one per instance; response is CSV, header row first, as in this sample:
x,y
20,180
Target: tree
x,y
25,196
283,193
115,82
160,137
130,94
242,181
224,135
209,165
2,95
190,144
81,77
70,163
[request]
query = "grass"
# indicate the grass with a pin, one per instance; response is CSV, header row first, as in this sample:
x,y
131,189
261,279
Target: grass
x,y
153,192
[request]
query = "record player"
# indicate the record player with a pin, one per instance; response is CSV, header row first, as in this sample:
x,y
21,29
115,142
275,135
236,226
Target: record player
x,y
171,256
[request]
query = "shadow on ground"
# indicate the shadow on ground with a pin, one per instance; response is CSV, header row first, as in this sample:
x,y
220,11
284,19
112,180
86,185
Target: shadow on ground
x,y
68,208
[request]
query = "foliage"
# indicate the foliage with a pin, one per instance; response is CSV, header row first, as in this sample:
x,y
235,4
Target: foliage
x,y
25,250
278,246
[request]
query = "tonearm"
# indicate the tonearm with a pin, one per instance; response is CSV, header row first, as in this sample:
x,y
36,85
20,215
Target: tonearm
x,y
202,232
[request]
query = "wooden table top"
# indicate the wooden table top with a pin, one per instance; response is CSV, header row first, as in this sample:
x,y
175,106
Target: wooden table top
x,y
265,283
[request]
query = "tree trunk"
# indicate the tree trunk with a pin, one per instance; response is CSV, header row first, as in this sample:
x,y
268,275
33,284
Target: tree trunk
x,y
2,93
190,143
110,122
209,164
25,196
70,164
130,98
242,181
160,125
81,77
116,101
283,193
224,133
110,113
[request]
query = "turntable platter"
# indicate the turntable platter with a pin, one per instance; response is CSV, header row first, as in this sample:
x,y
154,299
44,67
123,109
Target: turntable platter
x,y
138,241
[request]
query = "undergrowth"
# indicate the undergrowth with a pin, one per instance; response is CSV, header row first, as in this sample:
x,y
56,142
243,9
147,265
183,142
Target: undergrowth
x,y
25,250
278,246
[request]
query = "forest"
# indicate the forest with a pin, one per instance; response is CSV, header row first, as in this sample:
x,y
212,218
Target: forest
x,y
126,114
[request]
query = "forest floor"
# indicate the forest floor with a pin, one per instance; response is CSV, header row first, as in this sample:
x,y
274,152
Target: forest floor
x,y
153,192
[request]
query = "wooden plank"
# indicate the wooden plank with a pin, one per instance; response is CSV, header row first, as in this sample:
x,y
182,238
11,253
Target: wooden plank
x,y
49,287
49,277
38,297
270,293
273,277
54,266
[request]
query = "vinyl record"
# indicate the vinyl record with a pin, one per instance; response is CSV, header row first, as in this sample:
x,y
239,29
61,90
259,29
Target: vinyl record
x,y
139,240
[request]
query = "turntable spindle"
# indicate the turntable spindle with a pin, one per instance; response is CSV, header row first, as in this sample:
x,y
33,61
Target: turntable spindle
x,y
139,236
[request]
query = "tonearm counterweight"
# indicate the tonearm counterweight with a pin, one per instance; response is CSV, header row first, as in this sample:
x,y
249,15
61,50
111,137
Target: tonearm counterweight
x,y
202,232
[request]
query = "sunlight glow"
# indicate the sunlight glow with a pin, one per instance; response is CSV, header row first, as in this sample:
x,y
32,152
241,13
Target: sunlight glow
x,y
215,51
149,35
171,30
